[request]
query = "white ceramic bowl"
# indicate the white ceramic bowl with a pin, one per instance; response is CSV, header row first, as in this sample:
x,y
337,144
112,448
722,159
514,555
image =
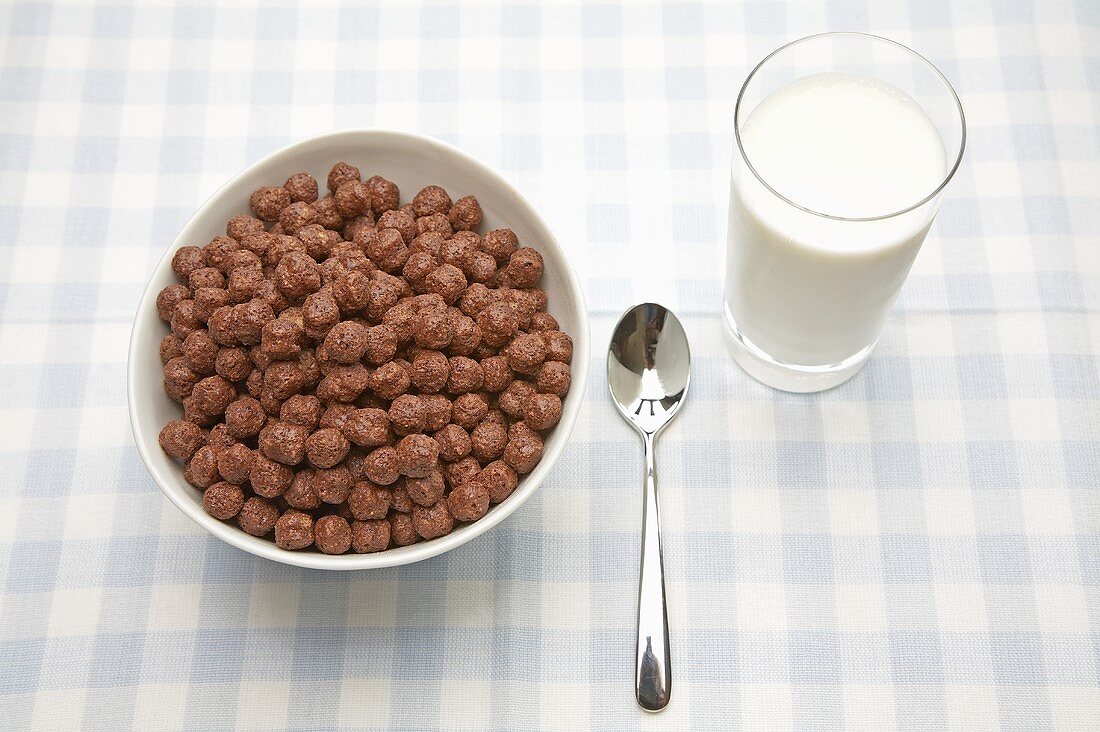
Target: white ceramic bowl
x,y
412,162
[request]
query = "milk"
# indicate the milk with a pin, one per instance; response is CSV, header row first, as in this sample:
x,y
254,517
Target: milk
x,y
811,291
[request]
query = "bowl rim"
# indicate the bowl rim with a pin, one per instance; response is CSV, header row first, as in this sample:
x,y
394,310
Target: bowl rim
x,y
401,555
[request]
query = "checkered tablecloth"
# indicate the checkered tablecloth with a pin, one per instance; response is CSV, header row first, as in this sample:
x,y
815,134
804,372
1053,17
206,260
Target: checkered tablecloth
x,y
918,549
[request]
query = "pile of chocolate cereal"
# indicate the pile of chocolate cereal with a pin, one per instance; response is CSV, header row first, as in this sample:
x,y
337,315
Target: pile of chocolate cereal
x,y
357,374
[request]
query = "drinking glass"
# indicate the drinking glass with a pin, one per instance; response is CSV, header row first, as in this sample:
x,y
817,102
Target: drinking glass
x,y
813,265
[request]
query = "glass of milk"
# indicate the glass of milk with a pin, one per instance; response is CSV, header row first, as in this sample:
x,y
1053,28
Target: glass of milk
x,y
845,143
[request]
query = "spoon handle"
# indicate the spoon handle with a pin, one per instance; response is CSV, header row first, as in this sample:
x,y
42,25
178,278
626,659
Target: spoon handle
x,y
653,670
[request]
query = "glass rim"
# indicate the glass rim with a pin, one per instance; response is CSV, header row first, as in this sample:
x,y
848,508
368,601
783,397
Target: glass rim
x,y
939,74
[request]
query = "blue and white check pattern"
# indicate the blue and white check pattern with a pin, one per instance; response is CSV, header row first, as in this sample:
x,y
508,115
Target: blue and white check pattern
x,y
918,549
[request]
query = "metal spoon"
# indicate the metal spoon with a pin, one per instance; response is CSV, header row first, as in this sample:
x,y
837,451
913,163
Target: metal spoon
x,y
648,369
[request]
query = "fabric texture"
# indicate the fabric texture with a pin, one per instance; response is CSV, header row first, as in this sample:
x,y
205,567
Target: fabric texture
x,y
918,549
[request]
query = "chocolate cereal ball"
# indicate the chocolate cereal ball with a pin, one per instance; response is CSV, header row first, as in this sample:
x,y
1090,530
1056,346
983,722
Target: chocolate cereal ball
x,y
526,353
430,371
402,530
336,414
399,498
352,198
524,267
465,214
183,319
496,374
453,441
524,449
297,275
474,299
332,485
437,411
369,501
283,379
223,500
282,338
553,378
389,380
212,395
352,291
219,437
344,383
300,494
380,466
233,364
370,536
559,346
499,479
216,253
326,447
417,456
381,345
434,222
501,244
433,521
431,200
498,324
169,298
207,300
458,250
258,516
461,471
244,417
468,502
542,411
384,195
267,202
448,281
326,214
239,227
340,174
269,478
200,351
245,283
234,463
320,312
316,240
283,442
401,221
296,216
542,322
383,293
465,375
406,414
302,410
481,268
487,441
249,319
427,490
367,427
417,268
469,409
346,342
186,260
294,530
301,187
466,337
180,439
202,469
512,399
433,330
430,242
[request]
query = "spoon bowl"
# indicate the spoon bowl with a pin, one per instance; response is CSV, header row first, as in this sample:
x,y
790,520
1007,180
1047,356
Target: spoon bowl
x,y
648,370
648,366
